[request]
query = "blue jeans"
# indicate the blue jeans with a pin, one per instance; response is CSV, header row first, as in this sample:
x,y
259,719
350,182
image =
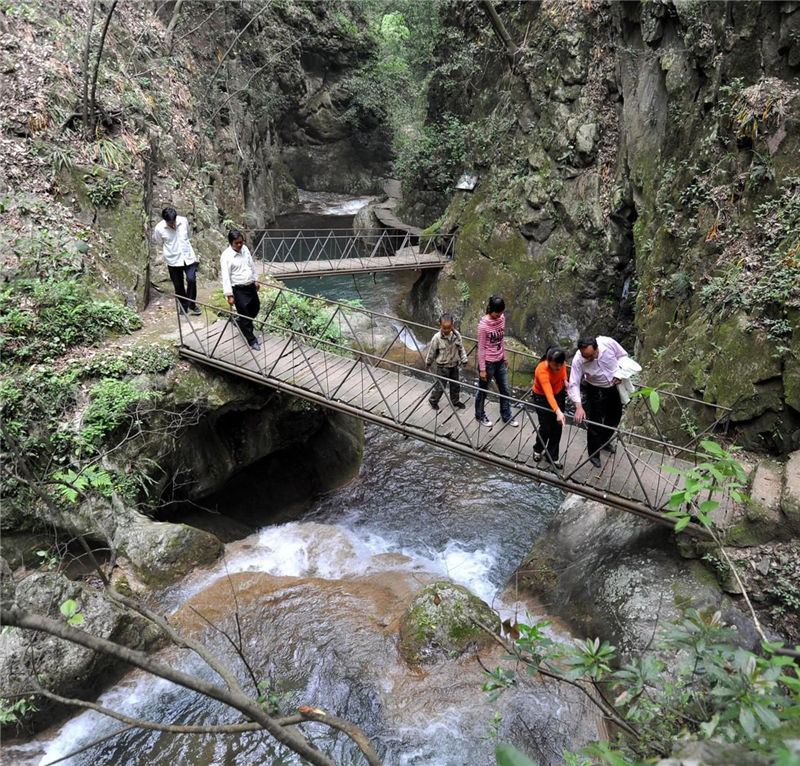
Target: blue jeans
x,y
498,371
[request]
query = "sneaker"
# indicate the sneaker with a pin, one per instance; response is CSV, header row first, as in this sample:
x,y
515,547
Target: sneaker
x,y
255,345
595,461
459,405
609,448
537,456
196,311
557,464
433,405
513,423
484,421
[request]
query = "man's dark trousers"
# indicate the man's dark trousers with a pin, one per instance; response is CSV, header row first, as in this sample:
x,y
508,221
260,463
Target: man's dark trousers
x,y
604,408
245,299
188,294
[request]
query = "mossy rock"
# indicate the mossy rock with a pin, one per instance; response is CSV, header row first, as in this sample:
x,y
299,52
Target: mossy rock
x,y
444,621
160,552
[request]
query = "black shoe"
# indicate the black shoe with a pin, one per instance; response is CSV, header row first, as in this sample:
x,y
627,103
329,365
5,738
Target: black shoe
x,y
557,464
459,405
255,345
609,448
595,461
433,405
537,456
196,311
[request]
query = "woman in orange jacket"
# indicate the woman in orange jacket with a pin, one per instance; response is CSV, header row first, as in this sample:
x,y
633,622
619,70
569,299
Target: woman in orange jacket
x,y
549,396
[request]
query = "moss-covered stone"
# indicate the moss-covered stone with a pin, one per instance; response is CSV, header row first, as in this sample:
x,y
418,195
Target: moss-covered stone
x,y
445,620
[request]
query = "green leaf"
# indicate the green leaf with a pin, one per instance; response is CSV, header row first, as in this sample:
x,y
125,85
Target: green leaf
x,y
709,727
708,505
766,716
712,447
69,608
682,523
508,755
76,619
748,721
655,401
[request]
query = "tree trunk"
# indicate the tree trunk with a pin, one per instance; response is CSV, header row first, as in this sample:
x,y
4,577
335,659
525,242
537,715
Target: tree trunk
x,y
86,50
512,49
173,22
92,110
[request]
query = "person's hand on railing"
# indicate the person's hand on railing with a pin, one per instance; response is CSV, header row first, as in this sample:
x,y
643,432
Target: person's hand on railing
x,y
580,413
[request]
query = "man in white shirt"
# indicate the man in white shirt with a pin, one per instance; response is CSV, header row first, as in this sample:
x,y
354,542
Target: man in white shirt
x,y
172,234
239,284
595,366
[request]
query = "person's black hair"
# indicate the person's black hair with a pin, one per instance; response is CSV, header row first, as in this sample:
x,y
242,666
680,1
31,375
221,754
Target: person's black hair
x,y
496,303
586,342
446,317
554,354
169,214
234,234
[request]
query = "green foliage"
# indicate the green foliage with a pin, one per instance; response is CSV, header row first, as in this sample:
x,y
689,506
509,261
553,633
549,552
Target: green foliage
x,y
69,609
718,472
652,395
71,483
49,561
435,158
111,403
41,319
710,689
306,316
507,755
104,190
136,360
14,712
272,697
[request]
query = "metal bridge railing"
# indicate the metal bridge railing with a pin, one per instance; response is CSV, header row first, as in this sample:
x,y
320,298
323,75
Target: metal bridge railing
x,y
288,246
370,361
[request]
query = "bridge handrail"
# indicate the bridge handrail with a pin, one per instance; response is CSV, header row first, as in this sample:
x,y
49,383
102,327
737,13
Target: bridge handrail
x,y
534,357
520,404
280,237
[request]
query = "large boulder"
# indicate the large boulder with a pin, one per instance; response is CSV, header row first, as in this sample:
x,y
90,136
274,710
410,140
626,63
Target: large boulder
x,y
60,666
616,576
445,620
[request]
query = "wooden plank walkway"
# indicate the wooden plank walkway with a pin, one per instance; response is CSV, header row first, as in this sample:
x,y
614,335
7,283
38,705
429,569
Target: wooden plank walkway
x,y
407,258
632,479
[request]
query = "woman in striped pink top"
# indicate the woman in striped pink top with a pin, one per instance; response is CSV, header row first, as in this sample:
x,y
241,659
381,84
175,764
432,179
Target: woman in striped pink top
x,y
492,361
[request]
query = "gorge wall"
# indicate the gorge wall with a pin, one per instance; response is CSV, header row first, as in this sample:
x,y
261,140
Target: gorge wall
x,y
638,177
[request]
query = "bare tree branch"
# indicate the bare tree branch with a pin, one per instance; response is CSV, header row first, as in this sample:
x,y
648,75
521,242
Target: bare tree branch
x,y
511,48
20,618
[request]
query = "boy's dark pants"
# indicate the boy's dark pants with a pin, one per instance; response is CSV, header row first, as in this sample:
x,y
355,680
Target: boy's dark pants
x,y
438,386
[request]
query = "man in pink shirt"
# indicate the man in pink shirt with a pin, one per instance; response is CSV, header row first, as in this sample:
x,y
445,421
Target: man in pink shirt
x,y
595,366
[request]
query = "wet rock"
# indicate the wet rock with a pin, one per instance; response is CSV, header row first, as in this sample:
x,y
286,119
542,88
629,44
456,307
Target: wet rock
x,y
617,577
790,494
161,552
444,621
58,665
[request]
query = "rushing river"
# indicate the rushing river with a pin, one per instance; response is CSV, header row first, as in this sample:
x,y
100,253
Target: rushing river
x,y
319,601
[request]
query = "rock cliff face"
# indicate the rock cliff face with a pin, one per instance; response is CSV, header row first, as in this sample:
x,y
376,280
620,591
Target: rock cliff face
x,y
638,169
220,113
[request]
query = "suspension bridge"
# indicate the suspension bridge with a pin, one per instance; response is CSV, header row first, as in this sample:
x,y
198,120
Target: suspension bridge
x,y
371,366
292,254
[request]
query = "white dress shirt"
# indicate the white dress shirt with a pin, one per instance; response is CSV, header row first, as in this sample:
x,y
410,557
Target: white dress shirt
x,y
175,245
236,269
599,372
